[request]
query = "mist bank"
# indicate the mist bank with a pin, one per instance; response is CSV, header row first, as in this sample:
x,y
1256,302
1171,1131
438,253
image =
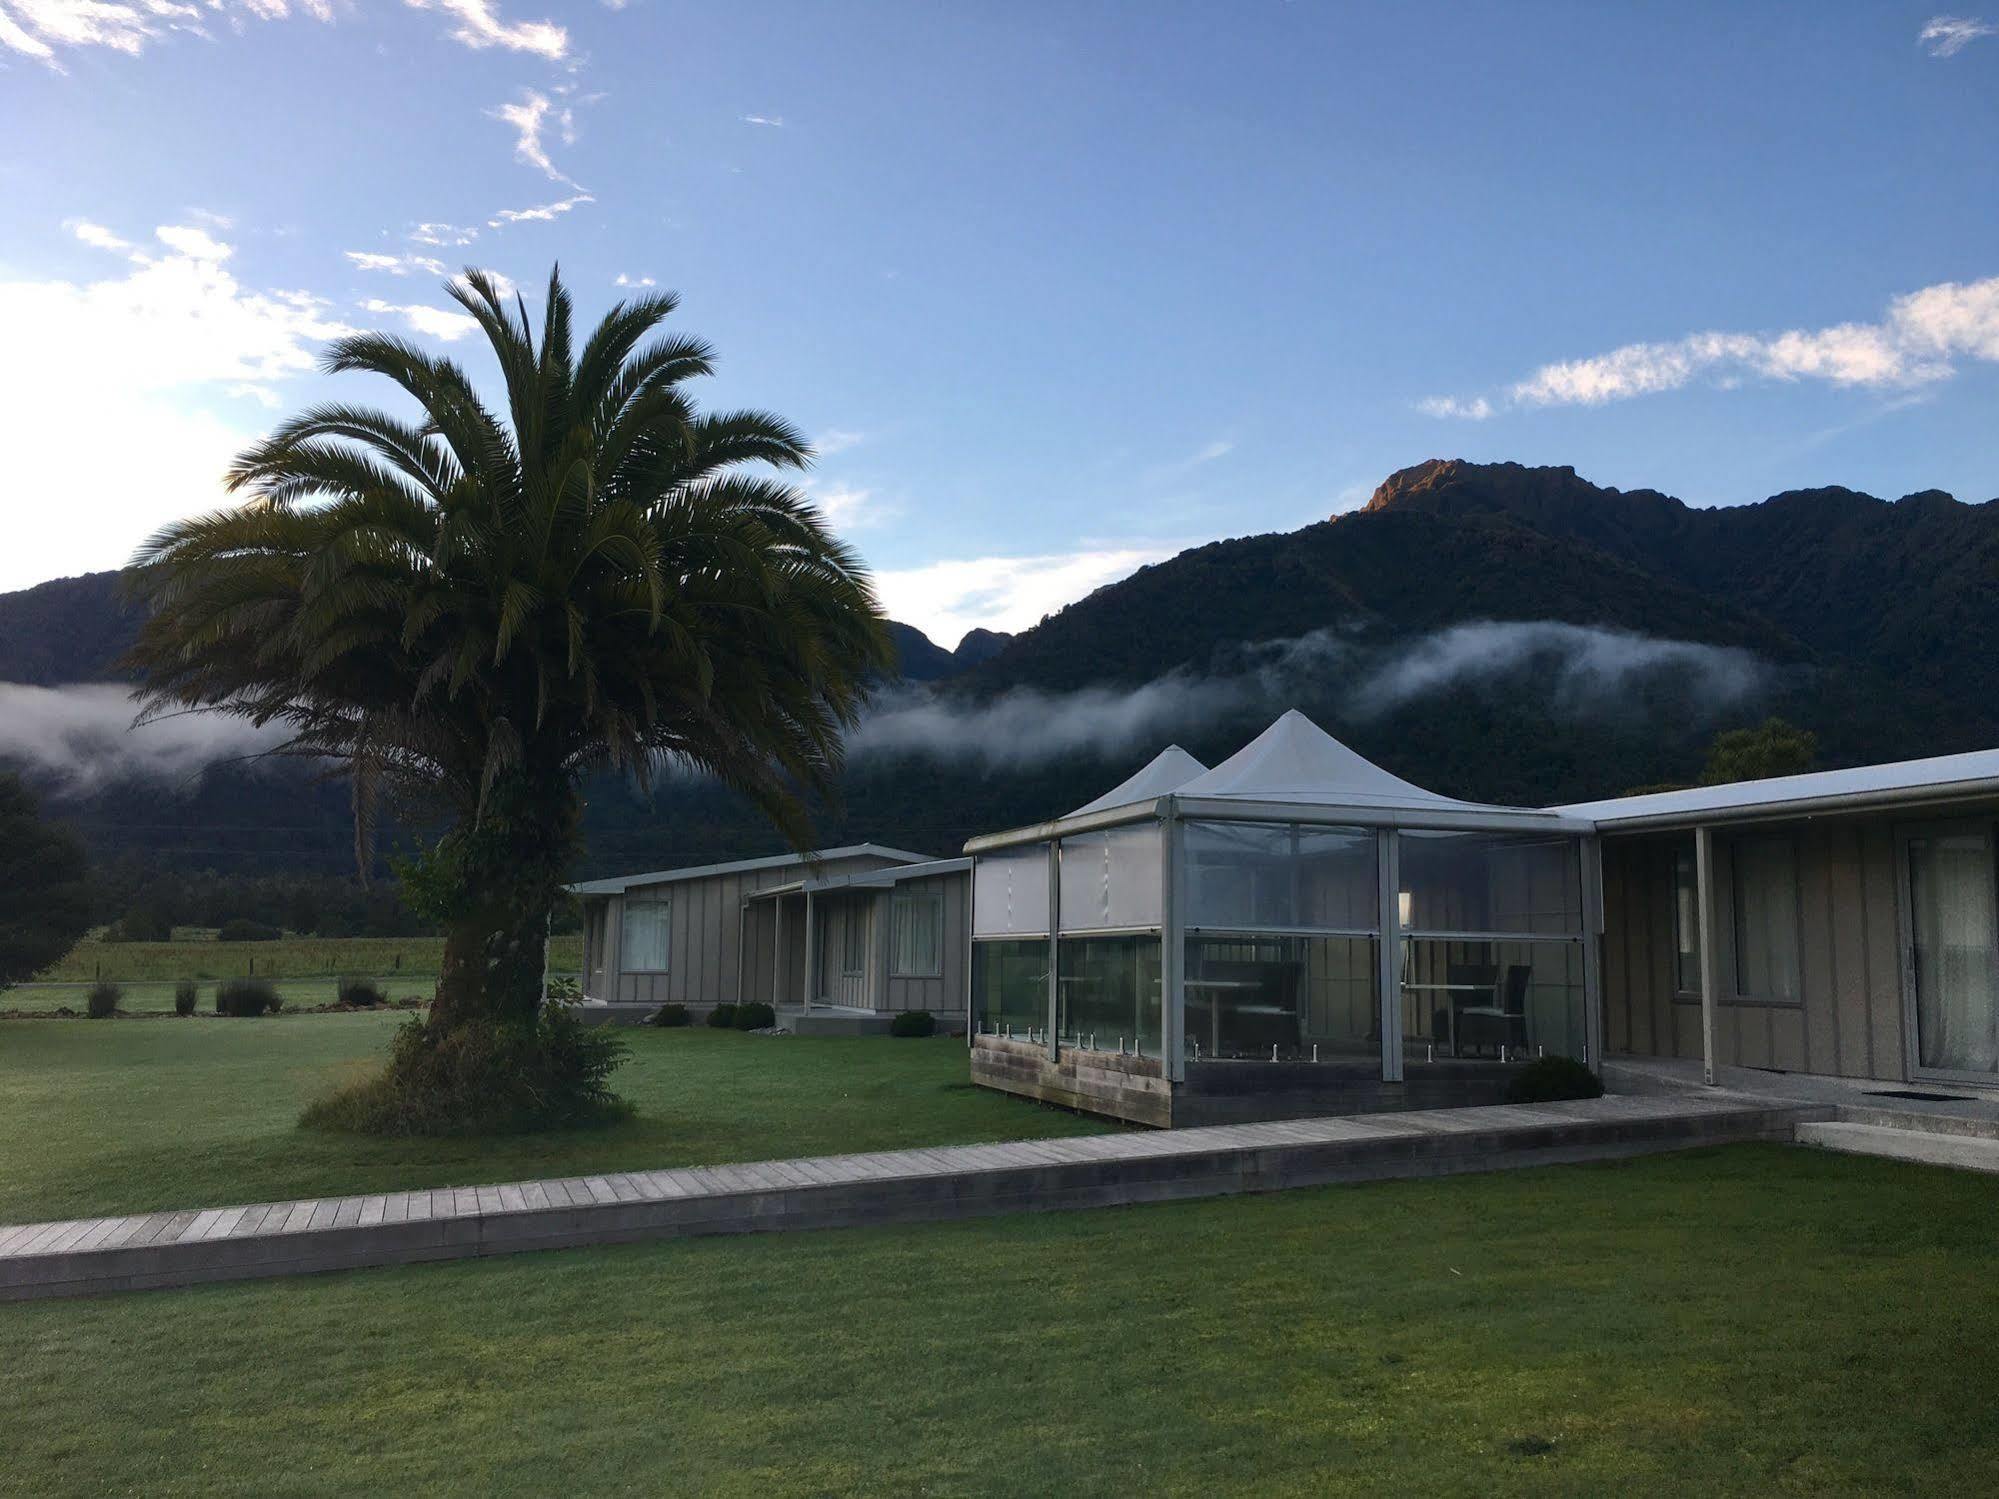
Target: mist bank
x,y
80,737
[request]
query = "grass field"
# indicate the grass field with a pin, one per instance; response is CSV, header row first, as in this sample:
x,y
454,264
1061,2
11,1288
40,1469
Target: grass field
x,y
1756,1320
132,1115
289,957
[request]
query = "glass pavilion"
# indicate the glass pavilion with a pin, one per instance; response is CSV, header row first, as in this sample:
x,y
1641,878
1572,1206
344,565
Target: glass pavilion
x,y
1296,905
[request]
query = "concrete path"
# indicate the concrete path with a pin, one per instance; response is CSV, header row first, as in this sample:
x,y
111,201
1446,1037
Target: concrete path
x,y
93,1255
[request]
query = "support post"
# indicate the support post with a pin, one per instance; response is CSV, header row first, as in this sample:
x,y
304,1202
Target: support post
x,y
1592,877
742,936
1172,934
1388,955
811,953
777,951
1054,934
1710,957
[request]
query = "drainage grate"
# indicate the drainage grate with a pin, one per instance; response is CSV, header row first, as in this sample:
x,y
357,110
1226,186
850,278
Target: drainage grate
x,y
1925,1097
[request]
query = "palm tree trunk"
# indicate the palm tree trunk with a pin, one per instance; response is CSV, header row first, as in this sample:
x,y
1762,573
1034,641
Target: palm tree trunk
x,y
512,864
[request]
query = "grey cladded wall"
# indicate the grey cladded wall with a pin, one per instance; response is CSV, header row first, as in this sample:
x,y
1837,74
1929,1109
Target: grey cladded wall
x,y
710,932
1847,1020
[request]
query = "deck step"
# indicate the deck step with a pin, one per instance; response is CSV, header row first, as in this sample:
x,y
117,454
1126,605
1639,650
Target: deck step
x,y
1903,1143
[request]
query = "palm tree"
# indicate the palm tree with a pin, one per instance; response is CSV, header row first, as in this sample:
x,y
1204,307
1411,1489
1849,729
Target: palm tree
x,y
478,609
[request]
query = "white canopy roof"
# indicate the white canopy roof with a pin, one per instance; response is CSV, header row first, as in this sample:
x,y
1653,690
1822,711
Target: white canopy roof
x,y
1294,760
1166,771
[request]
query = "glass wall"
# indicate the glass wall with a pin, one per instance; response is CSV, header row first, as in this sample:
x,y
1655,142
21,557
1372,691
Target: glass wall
x,y
1488,998
1010,987
1258,996
1251,876
1107,991
1491,882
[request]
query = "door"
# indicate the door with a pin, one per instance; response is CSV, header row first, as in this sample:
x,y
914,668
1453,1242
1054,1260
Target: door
x,y
1952,970
844,957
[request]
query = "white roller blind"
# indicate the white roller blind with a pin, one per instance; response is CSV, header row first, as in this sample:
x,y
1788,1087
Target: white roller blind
x,y
1010,893
1111,879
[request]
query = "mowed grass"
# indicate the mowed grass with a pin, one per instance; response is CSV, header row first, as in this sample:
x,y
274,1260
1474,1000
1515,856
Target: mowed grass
x,y
288,957
156,997
1754,1320
117,1116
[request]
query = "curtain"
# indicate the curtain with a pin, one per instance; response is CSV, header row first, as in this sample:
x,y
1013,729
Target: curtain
x,y
1950,890
1766,918
642,941
916,940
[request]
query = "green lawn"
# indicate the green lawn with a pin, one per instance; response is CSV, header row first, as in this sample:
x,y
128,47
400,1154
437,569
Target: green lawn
x,y
1755,1320
130,1115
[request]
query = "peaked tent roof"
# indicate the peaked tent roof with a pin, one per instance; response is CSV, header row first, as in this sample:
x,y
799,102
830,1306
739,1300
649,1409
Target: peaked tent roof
x,y
1294,760
1165,772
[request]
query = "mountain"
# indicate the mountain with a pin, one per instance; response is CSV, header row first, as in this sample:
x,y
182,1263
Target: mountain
x,y
1490,630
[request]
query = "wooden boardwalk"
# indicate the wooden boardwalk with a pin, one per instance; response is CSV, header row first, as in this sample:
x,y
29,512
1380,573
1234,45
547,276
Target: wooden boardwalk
x,y
93,1255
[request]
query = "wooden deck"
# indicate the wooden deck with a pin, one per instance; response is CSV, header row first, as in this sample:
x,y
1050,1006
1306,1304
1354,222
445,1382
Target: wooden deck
x,y
95,1255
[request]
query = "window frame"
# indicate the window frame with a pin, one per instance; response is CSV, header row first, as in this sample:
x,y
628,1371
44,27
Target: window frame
x,y
664,901
1686,858
898,899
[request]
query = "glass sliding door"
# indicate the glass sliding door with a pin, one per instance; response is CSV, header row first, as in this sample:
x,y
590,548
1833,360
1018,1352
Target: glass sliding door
x,y
1953,967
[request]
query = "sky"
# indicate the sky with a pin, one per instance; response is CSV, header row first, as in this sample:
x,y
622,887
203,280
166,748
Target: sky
x,y
1057,289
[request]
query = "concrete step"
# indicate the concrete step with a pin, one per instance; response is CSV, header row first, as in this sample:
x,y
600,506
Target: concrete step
x,y
1932,1148
1935,1121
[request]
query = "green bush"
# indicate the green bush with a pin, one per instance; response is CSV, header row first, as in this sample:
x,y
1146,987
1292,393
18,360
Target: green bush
x,y
242,929
670,1015
1550,1079
243,997
755,1016
363,993
141,924
565,989
913,1023
722,1017
551,1073
185,993
103,1001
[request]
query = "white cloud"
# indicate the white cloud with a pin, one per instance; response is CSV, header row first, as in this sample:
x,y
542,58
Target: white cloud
x,y
434,321
1946,36
540,213
98,237
157,356
531,119
621,279
1915,343
479,26
442,235
945,599
82,735
41,29
196,244
846,507
775,122
395,265
834,439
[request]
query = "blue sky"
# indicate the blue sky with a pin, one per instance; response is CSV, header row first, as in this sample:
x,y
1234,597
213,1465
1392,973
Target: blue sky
x,y
1060,288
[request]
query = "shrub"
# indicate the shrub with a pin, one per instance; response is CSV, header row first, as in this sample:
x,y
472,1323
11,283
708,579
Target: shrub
x,y
566,989
140,924
246,997
242,929
722,1017
670,1015
755,1016
913,1023
185,993
551,1073
360,992
103,1001
1549,1079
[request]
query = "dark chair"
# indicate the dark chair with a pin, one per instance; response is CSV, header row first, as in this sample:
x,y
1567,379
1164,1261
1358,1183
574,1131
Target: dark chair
x,y
1503,1023
1472,985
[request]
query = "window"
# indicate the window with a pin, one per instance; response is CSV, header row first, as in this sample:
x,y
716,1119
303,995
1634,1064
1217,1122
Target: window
x,y
1686,922
642,936
916,934
1766,918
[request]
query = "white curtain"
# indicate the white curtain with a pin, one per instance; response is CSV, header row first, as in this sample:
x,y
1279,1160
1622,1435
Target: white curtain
x,y
1950,888
916,947
642,939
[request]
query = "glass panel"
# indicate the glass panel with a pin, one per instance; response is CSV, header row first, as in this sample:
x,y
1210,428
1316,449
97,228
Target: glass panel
x,y
1246,875
1010,891
916,944
1491,882
642,943
1010,987
1111,879
1311,998
1471,999
1766,917
1107,991
1686,922
1950,910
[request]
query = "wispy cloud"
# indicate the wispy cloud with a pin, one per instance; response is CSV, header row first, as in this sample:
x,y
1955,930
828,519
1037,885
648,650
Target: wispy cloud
x,y
945,599
44,29
395,265
443,236
479,26
1917,342
541,213
98,237
775,122
434,321
83,735
834,439
621,279
532,119
1946,36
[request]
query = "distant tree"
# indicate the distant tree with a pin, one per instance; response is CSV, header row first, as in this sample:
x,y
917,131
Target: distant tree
x,y
143,923
44,887
1773,748
476,608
